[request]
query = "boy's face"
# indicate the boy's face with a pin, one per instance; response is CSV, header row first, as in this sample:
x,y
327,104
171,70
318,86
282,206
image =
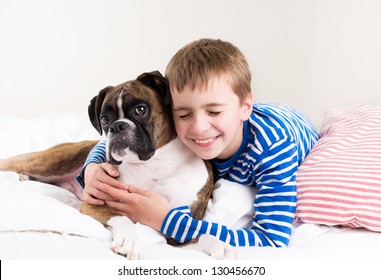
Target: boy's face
x,y
210,120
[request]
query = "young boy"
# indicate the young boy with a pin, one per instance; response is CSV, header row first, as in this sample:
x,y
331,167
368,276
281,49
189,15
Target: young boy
x,y
259,145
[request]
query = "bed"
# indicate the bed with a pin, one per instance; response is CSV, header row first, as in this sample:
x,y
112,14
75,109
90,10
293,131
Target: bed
x,y
338,211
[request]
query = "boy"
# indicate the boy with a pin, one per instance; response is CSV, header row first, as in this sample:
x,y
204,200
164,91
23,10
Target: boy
x,y
258,145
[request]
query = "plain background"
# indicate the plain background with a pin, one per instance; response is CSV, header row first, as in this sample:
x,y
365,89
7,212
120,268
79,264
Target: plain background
x,y
310,54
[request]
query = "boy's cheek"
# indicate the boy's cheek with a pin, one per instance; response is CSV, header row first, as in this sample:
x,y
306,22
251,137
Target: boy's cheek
x,y
179,127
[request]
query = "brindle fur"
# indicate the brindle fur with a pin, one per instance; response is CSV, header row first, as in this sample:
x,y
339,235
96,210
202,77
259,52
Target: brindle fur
x,y
49,165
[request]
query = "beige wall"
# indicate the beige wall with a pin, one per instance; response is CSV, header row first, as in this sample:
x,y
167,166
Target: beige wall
x,y
311,54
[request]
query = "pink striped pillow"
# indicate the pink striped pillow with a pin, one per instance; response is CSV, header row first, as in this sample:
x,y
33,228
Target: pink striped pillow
x,y
339,183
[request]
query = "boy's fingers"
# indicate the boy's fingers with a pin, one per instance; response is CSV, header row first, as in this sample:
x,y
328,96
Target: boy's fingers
x,y
113,183
121,196
133,189
92,200
102,192
110,169
117,206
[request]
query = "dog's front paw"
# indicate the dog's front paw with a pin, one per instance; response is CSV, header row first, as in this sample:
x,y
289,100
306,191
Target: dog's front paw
x,y
215,248
125,241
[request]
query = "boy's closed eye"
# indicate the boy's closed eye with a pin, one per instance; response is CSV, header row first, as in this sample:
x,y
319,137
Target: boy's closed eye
x,y
188,115
214,113
184,116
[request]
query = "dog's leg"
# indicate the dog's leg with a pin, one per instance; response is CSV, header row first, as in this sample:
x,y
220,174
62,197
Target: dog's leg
x,y
58,165
58,160
100,213
125,240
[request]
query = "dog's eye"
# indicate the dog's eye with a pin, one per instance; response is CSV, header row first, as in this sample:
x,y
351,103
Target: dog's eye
x,y
105,120
141,110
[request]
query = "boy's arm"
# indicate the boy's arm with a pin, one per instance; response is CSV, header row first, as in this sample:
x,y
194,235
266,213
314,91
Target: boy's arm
x,y
96,155
274,207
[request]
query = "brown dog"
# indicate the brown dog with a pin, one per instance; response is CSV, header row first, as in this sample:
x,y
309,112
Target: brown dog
x,y
136,121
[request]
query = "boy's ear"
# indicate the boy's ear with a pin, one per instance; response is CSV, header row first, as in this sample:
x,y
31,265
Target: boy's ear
x,y
247,107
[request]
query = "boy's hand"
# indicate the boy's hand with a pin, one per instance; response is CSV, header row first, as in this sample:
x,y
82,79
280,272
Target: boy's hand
x,y
99,179
143,206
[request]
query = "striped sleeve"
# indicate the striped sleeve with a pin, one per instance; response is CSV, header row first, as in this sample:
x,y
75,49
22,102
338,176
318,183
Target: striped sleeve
x,y
275,202
274,206
180,225
96,155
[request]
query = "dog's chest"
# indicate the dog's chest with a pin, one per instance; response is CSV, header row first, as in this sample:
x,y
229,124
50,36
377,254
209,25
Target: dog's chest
x,y
177,174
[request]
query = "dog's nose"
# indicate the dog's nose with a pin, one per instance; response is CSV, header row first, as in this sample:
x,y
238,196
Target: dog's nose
x,y
118,127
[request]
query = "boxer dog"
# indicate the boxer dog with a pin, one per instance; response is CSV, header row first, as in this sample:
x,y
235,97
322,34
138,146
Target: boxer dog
x,y
136,120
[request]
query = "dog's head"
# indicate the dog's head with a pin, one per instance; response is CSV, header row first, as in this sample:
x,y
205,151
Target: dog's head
x,y
135,117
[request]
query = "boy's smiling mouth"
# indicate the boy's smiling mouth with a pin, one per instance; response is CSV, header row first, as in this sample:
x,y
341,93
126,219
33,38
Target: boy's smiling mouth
x,y
204,142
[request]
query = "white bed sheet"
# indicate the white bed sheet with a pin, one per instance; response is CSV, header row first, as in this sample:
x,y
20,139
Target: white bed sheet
x,y
41,221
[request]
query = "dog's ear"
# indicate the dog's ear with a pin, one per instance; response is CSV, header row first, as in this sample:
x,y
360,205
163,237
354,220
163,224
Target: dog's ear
x,y
95,106
156,81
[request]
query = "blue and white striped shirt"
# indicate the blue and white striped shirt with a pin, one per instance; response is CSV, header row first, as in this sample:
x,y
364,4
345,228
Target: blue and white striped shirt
x,y
276,139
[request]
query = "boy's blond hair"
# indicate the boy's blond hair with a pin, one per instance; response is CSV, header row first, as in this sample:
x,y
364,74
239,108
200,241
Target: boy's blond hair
x,y
198,62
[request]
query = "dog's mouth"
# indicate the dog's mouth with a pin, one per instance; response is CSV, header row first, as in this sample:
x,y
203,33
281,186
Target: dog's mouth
x,y
121,151
117,152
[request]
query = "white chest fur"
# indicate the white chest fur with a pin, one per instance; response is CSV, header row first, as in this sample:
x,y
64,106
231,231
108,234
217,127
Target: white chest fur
x,y
174,171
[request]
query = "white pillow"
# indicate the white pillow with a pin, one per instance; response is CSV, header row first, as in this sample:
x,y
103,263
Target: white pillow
x,y
35,206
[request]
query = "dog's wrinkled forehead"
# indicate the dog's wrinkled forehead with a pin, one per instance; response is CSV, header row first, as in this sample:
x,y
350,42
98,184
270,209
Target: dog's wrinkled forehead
x,y
123,97
129,97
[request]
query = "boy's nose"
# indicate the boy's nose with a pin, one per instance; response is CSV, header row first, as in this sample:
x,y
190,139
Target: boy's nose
x,y
200,125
